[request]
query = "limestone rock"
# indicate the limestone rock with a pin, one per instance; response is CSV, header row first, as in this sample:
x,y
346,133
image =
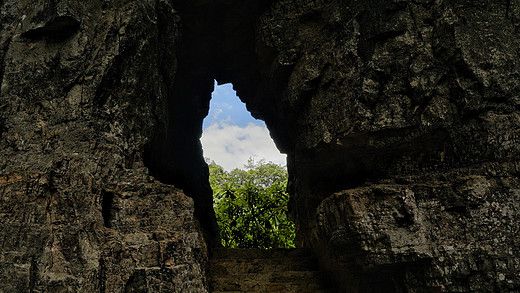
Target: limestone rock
x,y
400,121
82,88
406,111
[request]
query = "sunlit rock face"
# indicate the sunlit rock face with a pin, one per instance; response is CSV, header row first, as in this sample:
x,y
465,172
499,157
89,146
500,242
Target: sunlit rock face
x,y
399,119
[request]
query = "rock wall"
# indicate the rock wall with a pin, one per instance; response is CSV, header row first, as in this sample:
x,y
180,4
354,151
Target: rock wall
x,y
83,90
400,121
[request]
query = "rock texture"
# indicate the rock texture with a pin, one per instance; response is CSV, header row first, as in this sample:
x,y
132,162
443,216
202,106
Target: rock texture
x,y
275,270
83,86
400,121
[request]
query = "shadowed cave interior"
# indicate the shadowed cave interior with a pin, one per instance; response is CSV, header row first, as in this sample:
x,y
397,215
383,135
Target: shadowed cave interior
x,y
400,120
217,44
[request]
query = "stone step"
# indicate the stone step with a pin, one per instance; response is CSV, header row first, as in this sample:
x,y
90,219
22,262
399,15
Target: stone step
x,y
241,266
285,291
281,290
258,270
274,282
274,276
256,253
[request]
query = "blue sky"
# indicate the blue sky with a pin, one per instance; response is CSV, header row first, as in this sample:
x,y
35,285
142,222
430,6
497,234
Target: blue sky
x,y
231,135
225,106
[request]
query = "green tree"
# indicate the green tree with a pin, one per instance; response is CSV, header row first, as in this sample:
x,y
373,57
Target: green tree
x,y
251,205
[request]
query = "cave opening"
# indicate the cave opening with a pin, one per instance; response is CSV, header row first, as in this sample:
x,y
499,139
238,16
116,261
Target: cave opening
x,y
232,136
175,155
218,43
247,174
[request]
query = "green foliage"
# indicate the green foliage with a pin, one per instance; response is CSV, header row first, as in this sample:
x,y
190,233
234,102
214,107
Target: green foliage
x,y
251,205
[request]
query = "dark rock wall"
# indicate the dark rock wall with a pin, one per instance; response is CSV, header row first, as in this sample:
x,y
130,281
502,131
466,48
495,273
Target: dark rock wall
x,y
400,119
84,86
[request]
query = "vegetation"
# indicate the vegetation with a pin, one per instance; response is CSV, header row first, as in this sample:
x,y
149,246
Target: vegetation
x,y
251,205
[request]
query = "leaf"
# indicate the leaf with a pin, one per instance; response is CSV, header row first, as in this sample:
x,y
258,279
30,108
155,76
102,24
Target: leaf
x,y
251,205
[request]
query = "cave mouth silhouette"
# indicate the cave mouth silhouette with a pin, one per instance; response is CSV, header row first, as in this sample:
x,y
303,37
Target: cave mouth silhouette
x,y
218,42
232,136
239,150
175,154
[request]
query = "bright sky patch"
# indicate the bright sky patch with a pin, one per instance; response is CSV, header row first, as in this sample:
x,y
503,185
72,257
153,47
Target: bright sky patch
x,y
231,135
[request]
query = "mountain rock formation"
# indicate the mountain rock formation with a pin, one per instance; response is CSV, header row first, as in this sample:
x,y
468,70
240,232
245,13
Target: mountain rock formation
x,y
400,120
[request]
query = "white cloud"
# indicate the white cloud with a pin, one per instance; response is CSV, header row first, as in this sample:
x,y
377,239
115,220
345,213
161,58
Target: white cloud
x,y
227,106
231,146
216,113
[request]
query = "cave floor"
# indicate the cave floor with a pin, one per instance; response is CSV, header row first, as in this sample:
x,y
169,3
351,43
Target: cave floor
x,y
259,270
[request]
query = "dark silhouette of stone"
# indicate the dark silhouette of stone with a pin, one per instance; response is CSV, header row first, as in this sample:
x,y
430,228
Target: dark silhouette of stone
x,y
400,121
78,210
407,113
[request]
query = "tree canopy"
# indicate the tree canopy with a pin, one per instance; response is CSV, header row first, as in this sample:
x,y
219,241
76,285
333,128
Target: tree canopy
x,y
251,205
